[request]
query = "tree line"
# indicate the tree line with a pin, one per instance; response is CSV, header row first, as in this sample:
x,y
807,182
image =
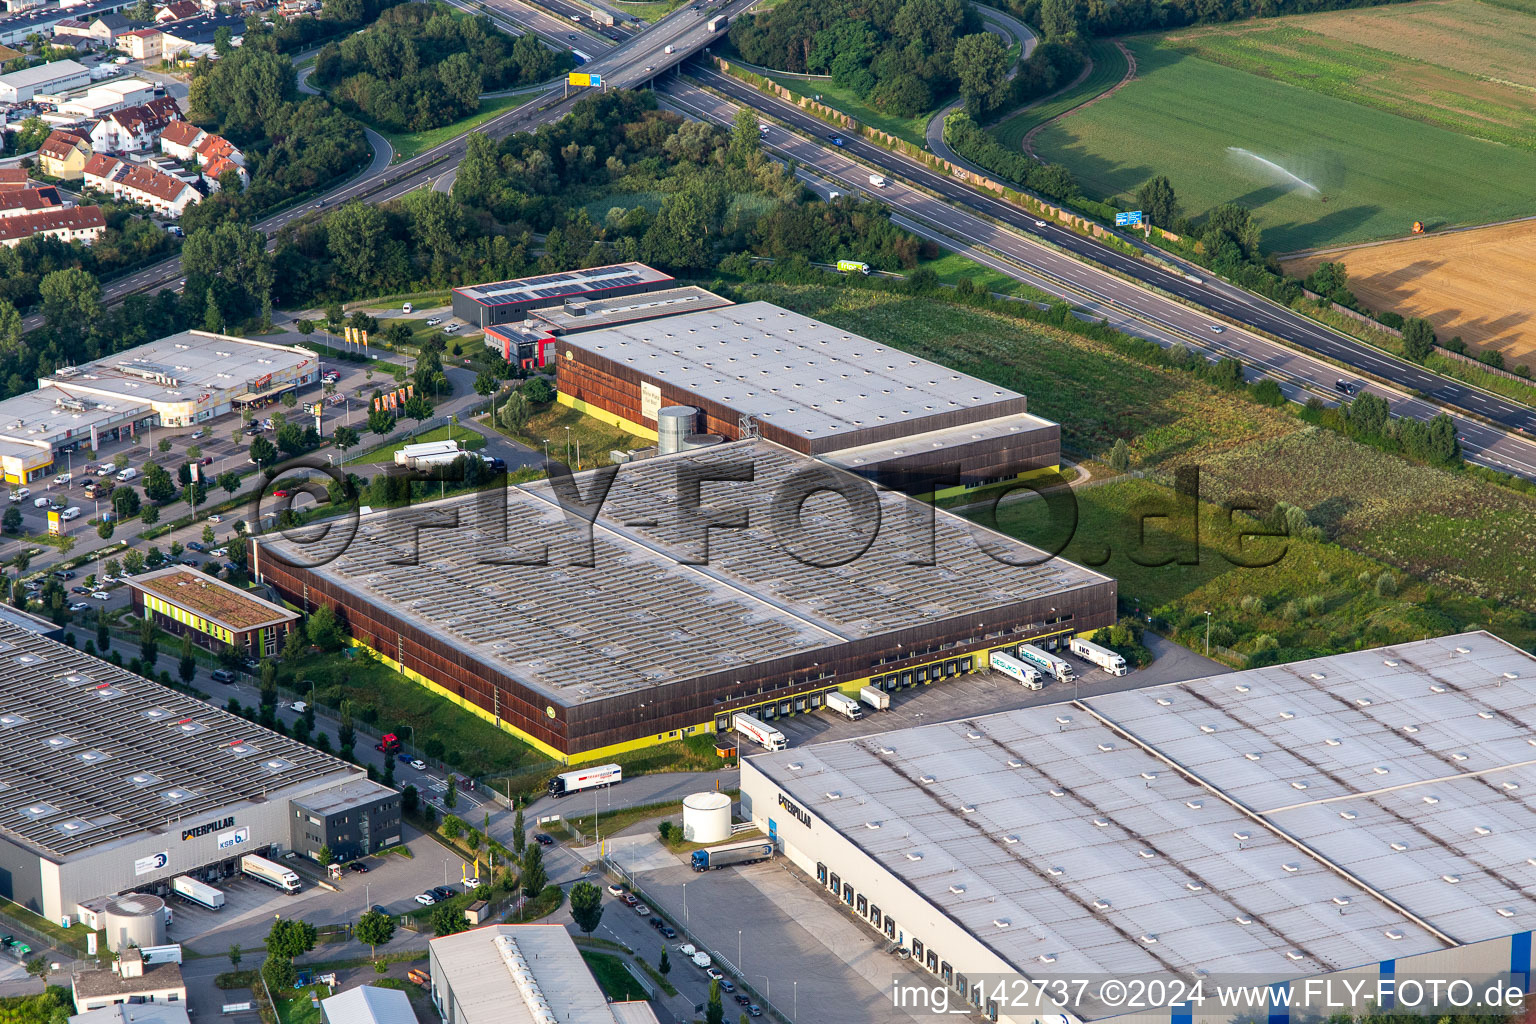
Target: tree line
x,y
901,56
421,66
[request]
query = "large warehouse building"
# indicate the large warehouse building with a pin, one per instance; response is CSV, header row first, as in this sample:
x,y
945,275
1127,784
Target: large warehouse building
x,y
1367,814
669,627
756,370
110,783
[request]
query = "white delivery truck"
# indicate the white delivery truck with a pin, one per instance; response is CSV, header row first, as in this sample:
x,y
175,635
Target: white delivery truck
x,y
877,181
1046,662
596,777
875,698
1103,657
845,706
198,892
1014,668
759,732
271,872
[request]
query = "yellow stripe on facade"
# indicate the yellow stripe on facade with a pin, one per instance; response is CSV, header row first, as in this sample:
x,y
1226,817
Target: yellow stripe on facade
x,y
604,416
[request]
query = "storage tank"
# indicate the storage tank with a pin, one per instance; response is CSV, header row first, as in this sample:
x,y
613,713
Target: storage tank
x,y
135,919
706,817
701,441
673,425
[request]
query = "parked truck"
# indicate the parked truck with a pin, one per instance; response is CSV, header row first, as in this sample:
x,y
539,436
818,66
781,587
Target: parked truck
x,y
270,872
749,852
717,23
1015,668
596,777
875,698
1103,657
388,744
759,732
408,455
198,892
845,706
1047,663
852,267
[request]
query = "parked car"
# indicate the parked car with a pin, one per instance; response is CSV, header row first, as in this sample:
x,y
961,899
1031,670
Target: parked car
x,y
78,606
426,899
223,675
641,909
379,910
754,1010
669,931
419,764
655,922
630,899
726,986
442,892
102,595
218,552
744,1000
616,890
433,321
79,590
64,574
215,519
358,866
62,479
543,840
193,545
715,974
20,493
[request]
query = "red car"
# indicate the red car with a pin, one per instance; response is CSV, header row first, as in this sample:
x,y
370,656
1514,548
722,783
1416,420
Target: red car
x,y
280,494
207,460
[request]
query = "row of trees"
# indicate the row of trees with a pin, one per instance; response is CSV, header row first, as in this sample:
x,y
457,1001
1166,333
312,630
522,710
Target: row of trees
x,y
899,55
420,66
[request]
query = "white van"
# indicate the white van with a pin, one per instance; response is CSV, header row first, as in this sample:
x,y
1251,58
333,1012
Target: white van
x,y
40,503
70,513
125,475
407,308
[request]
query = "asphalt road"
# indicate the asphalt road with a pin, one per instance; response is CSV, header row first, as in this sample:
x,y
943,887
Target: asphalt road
x,y
1048,257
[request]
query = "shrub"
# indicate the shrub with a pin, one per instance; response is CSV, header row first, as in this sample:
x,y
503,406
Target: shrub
x,y
1386,584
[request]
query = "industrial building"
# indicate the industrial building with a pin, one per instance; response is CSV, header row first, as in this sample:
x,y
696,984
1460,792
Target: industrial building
x,y
1367,814
114,784
177,381
756,370
59,76
662,628
530,343
349,820
520,974
487,305
215,614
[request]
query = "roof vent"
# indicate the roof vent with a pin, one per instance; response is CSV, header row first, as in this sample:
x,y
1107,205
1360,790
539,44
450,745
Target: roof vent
x,y
1101,904
1459,755
1047,958
1010,839
834,794
1063,719
1296,954
1410,729
1362,702
871,825
1054,870
1242,688
958,890
1194,887
1342,901
1483,830
794,766
926,778
1149,939
1253,756
1057,792
1485,715
1207,729
1149,776
1431,800
1382,769
1106,747
1389,663
1242,837
1399,847
1333,741
1393,933
1298,784
972,734
1511,786
914,856
1286,716
1164,702
886,750
1145,854
1505,911
1291,867
967,808
1462,650
1001,922
1319,676
1242,919
1436,688
1014,762
1101,822
1349,815
1453,879
1194,805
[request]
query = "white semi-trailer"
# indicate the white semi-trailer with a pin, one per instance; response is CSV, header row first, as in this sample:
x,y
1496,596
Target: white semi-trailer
x,y
1026,674
845,706
408,455
1103,657
759,732
1047,663
875,698
597,777
198,892
271,872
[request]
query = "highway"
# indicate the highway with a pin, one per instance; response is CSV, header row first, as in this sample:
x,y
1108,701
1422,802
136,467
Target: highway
x,y
1018,248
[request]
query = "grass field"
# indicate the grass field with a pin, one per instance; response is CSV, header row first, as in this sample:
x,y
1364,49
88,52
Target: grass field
x,y
1374,172
409,144
1458,281
1109,67
649,12
385,452
567,432
1460,550
616,982
1459,64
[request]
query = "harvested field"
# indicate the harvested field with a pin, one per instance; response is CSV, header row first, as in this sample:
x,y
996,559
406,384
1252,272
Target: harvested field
x,y
1461,281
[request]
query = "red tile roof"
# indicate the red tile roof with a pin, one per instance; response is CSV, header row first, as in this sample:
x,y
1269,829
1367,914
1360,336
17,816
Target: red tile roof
x,y
181,133
215,147
59,144
216,167
143,178
74,218
147,117
13,177
180,9
28,199
101,165
143,33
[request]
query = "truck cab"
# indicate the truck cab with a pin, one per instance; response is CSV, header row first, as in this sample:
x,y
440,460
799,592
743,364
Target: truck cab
x,y
390,744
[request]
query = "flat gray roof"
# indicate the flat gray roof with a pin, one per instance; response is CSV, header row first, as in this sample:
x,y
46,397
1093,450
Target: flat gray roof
x,y
483,986
865,455
355,793
596,313
181,367
642,616
42,74
803,376
91,754
51,415
565,284
1289,821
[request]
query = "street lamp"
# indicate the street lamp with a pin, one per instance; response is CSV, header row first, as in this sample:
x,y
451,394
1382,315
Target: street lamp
x,y
1207,634
546,451
767,988
685,896
567,445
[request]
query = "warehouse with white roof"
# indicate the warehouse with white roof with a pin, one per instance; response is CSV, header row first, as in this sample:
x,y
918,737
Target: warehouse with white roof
x,y
1367,813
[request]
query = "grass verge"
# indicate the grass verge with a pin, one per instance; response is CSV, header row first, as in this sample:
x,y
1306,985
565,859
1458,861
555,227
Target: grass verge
x,y
1109,67
911,129
612,977
409,144
467,438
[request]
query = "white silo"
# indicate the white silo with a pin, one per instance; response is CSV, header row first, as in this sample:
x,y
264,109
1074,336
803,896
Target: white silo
x,y
673,425
706,817
134,919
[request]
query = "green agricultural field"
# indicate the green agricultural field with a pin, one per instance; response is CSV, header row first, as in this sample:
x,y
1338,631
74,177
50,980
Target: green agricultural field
x,y
1211,128
1109,68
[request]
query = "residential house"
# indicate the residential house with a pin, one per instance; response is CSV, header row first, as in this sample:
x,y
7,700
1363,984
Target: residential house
x,y
64,155
134,129
66,223
108,27
141,43
19,202
13,178
216,168
74,32
140,184
177,10
180,138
